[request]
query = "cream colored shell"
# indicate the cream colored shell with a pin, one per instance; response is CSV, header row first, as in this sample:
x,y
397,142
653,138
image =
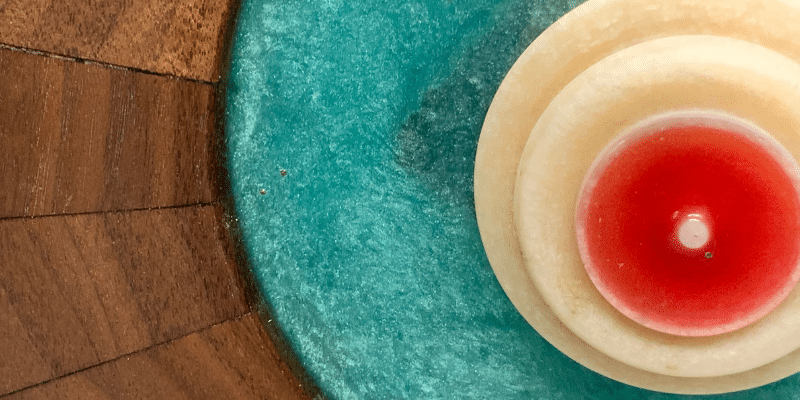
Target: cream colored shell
x,y
572,45
695,72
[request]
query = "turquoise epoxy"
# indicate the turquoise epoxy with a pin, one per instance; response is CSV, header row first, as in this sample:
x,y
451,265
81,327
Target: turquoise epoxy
x,y
368,249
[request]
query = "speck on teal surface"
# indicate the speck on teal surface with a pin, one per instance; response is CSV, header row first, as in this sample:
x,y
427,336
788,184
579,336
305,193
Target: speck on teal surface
x,y
367,249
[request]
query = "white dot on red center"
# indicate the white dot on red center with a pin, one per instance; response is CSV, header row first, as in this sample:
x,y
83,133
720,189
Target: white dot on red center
x,y
693,233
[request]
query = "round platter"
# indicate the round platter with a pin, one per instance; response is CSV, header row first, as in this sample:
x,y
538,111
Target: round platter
x,y
352,129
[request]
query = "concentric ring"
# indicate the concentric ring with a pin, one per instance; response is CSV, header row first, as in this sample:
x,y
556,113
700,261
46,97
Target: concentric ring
x,y
569,47
688,222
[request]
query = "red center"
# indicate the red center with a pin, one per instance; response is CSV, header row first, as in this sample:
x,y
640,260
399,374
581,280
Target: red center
x,y
651,186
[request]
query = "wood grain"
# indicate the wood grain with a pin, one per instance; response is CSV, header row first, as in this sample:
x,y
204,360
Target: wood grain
x,y
80,290
184,38
101,304
77,137
233,360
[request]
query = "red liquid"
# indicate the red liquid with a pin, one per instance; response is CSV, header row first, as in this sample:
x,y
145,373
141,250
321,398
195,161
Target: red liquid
x,y
630,219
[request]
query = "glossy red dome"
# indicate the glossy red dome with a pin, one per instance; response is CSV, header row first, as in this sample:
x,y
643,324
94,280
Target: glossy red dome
x,y
691,230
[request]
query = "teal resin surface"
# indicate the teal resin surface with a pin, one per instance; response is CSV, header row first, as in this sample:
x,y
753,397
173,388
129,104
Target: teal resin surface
x,y
351,134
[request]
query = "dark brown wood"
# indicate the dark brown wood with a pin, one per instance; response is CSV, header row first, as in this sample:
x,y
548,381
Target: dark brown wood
x,y
78,137
232,360
100,304
80,290
183,38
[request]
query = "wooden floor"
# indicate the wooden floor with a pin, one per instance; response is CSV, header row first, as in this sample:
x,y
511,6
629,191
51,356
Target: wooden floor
x,y
118,279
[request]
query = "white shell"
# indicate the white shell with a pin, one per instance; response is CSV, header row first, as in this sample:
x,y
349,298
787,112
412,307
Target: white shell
x,y
563,306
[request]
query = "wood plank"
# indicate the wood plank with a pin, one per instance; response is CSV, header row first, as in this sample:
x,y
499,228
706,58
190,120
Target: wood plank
x,y
77,137
83,289
183,38
233,360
